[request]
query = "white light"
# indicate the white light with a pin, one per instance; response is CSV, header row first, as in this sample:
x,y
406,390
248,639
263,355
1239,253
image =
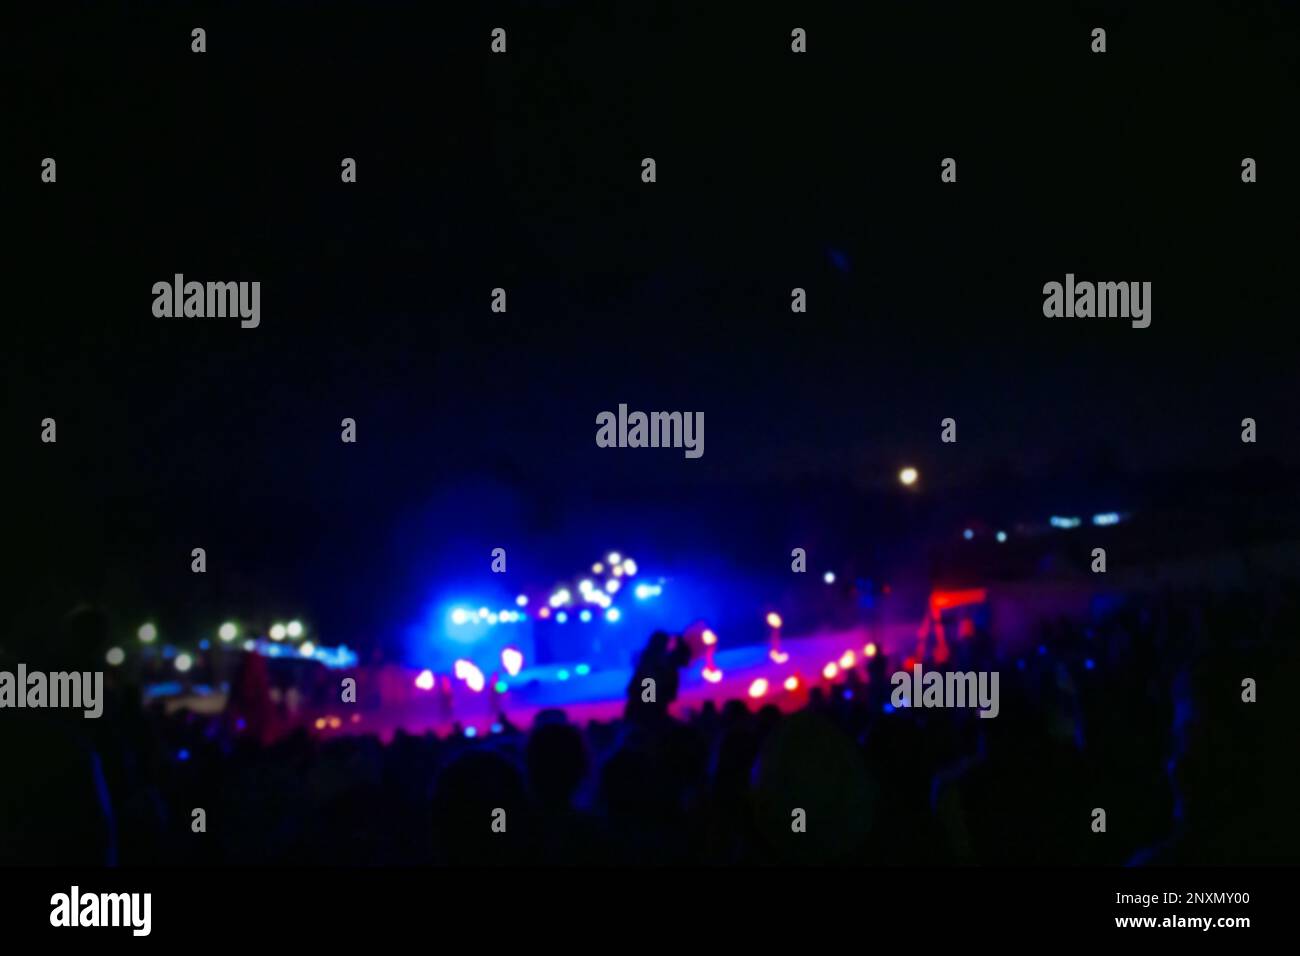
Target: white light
x,y
629,567
492,619
908,476
612,615
644,591
614,558
1105,518
584,585
585,616
562,617
483,613
1059,522
597,568
147,633
115,656
184,662
250,646
227,632
425,680
512,660
459,616
561,596
522,600
307,649
612,585
1002,537
829,577
295,628
277,632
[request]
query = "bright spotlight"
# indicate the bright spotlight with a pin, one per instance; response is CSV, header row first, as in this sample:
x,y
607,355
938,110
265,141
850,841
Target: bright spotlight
x,y
597,568
250,646
147,633
612,615
584,585
307,649
294,629
968,534
228,632
829,577
869,650
758,688
709,638
792,683
459,616
644,591
512,660
848,660
184,662
612,585
521,601
712,675
544,613
908,476
614,558
425,680
584,616
1002,537
562,618
831,671
115,656
277,632
773,619
777,656
629,567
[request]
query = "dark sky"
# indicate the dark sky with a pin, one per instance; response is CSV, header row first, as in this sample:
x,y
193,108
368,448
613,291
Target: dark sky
x,y
522,171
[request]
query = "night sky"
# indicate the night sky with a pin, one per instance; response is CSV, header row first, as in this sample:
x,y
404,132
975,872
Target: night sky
x,y
523,171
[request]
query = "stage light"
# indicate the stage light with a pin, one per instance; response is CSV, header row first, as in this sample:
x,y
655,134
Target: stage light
x,y
644,591
629,567
561,596
612,615
617,570
250,646
277,632
829,577
712,675
1089,664
500,687
612,585
307,649
483,613
848,660
294,629
471,732
204,644
584,616
1105,518
521,601
497,728
758,688
491,619
115,656
792,683
335,723
512,660
831,671
147,633
1002,537
778,656
182,755
228,632
459,616
562,674
582,670
562,617
869,650
584,585
320,723
1058,522
184,662
474,679
544,613
968,534
597,568
425,680
614,558
709,638
908,476
773,619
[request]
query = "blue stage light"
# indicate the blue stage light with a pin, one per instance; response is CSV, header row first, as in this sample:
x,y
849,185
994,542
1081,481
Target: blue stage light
x,y
968,534
582,670
471,731
612,615
585,616
563,675
562,617
1089,664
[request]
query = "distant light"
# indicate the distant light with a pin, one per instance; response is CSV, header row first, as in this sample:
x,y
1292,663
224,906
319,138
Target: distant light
x,y
115,656
888,708
307,649
147,633
471,731
709,638
758,688
597,568
629,567
848,693
643,591
277,632
335,723
1002,537
1089,664
521,600
792,683
712,675
584,616
228,632
1105,518
356,718
320,723
425,680
497,727
601,598
848,659
474,679
773,619
831,671
500,687
584,585
1058,522
561,596
612,585
204,644
614,558
562,617
778,656
968,534
612,615
512,659
544,613
829,577
582,670
562,674
459,616
492,618
182,755
250,646
295,629
184,662
1042,650
617,570
908,476
483,613
869,650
